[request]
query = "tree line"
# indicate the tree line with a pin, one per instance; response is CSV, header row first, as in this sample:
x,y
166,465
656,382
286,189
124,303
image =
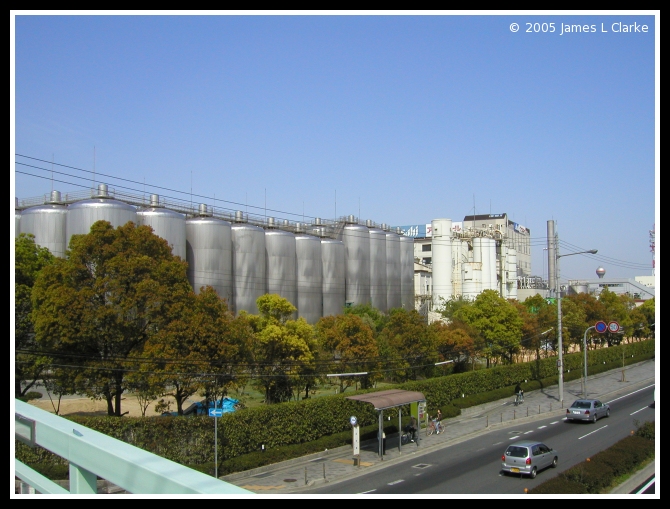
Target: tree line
x,y
118,314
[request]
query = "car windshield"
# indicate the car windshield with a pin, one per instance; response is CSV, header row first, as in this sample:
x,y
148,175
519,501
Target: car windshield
x,y
581,404
517,452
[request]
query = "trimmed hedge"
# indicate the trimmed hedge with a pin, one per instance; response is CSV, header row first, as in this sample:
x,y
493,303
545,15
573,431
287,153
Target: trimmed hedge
x,y
287,427
600,471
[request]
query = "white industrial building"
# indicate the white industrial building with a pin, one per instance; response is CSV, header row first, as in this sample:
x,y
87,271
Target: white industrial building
x,y
464,258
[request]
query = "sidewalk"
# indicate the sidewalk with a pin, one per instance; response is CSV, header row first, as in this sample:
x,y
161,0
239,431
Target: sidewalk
x,y
294,476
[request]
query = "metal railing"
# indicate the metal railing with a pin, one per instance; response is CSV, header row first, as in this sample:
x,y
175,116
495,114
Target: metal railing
x,y
92,454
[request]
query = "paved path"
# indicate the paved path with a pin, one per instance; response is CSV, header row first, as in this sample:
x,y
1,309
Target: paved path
x,y
294,476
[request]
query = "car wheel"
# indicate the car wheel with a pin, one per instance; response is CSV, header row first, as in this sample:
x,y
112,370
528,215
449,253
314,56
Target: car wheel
x,y
595,417
533,473
608,413
554,463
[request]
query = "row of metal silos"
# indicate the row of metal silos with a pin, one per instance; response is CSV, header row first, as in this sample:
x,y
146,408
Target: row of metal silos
x,y
379,266
317,274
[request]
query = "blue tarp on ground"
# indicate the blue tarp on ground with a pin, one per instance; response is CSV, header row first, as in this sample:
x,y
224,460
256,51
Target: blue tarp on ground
x,y
226,404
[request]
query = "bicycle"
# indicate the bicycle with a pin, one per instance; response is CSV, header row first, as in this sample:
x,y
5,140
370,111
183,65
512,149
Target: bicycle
x,y
519,398
435,426
407,436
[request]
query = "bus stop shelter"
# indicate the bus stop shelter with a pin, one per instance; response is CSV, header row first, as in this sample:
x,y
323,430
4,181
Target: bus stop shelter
x,y
392,398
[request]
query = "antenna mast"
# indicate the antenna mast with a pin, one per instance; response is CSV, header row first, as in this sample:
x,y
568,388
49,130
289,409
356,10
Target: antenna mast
x,y
652,246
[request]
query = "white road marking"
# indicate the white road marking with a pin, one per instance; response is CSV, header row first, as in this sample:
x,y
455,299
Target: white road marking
x,y
498,443
541,427
483,448
528,432
555,422
640,410
594,431
626,395
396,482
364,492
514,438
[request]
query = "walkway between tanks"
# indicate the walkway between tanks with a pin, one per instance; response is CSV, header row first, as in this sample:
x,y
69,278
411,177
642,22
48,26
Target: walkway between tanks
x,y
296,475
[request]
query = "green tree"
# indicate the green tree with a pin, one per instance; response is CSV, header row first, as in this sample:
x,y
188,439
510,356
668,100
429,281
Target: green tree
x,y
454,341
97,307
447,308
29,362
497,323
371,316
409,345
347,344
282,349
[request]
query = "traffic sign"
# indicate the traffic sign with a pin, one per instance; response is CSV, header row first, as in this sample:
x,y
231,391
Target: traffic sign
x,y
613,327
601,327
216,412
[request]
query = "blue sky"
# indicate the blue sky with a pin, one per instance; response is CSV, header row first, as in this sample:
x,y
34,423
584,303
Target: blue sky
x,y
400,119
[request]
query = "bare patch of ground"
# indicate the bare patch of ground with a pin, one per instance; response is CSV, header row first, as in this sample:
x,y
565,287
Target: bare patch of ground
x,y
86,406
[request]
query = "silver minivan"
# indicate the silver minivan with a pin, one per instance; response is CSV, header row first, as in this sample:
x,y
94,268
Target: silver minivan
x,y
528,458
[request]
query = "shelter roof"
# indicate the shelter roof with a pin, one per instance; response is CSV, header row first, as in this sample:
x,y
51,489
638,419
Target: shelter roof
x,y
389,399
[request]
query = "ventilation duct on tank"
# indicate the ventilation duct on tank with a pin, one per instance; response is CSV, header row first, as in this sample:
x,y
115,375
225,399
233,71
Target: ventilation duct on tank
x,y
271,222
202,210
54,198
351,219
154,200
385,227
286,223
299,228
317,221
103,191
369,223
239,216
398,230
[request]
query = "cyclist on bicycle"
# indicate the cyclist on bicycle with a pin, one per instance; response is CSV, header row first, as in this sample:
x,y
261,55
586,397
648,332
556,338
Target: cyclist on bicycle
x,y
519,394
438,421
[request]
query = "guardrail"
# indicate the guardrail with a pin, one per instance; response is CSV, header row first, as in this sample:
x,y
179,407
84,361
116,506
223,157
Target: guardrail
x,y
92,454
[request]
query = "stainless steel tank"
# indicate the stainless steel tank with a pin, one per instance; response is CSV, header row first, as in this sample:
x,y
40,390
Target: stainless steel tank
x,y
167,224
309,272
393,293
357,254
333,256
82,214
407,272
378,277
209,253
512,288
17,218
280,266
47,223
249,271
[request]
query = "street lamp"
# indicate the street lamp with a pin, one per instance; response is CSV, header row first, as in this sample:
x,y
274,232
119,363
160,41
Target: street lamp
x,y
560,326
585,362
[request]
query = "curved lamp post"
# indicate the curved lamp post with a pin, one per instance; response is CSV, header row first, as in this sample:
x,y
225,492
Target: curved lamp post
x,y
560,326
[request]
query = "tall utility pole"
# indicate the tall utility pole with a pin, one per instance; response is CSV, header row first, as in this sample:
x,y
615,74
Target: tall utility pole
x,y
558,305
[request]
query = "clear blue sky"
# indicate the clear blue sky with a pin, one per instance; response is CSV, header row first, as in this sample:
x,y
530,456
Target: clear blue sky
x,y
400,119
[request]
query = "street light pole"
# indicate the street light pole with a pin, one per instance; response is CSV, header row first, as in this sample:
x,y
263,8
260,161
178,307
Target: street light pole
x,y
560,325
586,393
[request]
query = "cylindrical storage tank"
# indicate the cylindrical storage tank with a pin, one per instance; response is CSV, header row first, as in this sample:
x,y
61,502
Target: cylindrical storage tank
x,y
357,248
82,214
407,272
442,262
47,223
209,253
393,293
493,256
167,224
333,258
472,280
459,253
503,268
482,247
512,275
17,218
280,265
489,273
249,273
378,277
477,250
309,276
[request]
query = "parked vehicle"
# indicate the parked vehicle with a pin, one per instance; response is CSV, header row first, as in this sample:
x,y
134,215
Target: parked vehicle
x,y
587,410
528,458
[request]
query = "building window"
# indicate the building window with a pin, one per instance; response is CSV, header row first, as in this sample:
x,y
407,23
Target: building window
x,y
426,247
427,261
